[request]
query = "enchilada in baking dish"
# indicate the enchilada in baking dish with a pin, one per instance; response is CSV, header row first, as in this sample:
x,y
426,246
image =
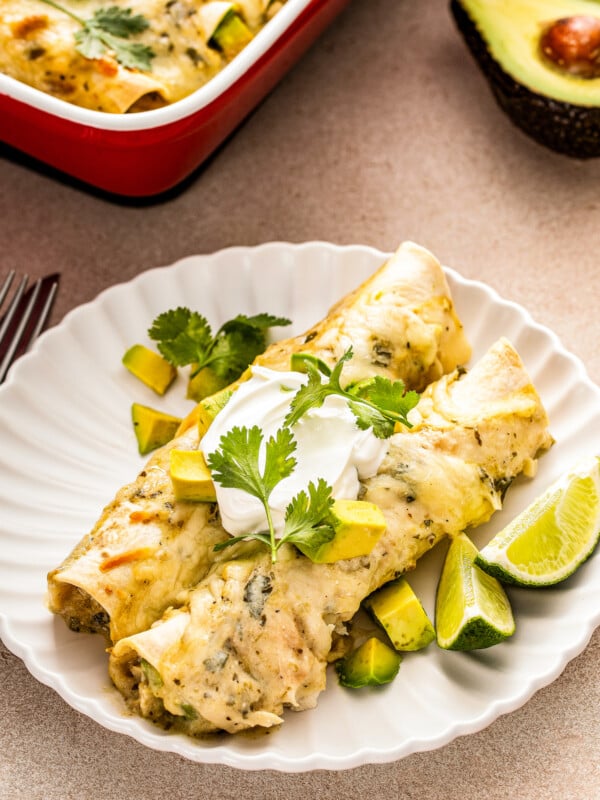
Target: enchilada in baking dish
x,y
125,55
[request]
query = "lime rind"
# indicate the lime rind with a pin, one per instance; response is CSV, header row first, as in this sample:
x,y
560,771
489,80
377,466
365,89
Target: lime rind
x,y
553,536
476,634
472,609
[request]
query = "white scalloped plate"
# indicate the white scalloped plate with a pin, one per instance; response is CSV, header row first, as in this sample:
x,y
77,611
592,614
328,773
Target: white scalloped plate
x,y
67,445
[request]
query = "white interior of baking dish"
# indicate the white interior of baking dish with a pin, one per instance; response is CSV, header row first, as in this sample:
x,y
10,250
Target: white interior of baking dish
x,y
202,97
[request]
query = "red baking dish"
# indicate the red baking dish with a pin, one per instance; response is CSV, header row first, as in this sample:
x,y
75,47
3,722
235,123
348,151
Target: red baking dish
x,y
145,154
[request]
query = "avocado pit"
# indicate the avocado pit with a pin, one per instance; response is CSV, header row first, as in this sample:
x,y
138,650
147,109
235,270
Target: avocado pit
x,y
572,44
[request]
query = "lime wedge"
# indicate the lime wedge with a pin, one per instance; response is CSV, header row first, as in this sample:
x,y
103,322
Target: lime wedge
x,y
471,608
553,536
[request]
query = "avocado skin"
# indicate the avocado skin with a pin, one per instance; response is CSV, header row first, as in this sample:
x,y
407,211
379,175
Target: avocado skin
x,y
565,128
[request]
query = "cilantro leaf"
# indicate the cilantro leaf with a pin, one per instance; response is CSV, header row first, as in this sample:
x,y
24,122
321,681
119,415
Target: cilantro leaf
x,y
234,349
239,341
279,462
305,518
371,417
376,402
258,321
184,337
311,395
388,402
133,55
388,395
108,32
119,21
314,392
235,464
88,44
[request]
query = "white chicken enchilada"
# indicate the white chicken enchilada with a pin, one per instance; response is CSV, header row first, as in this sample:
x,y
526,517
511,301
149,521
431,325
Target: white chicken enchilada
x,y
125,55
206,639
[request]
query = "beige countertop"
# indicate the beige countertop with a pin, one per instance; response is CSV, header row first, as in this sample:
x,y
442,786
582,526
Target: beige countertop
x,y
384,131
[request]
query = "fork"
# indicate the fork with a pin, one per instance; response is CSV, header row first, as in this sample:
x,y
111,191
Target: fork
x,y
24,316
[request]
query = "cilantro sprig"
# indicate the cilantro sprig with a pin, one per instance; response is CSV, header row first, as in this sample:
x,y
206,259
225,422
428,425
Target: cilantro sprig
x,y
185,337
235,465
376,403
108,31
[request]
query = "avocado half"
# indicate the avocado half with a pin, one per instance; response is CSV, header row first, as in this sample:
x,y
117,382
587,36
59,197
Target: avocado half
x,y
557,109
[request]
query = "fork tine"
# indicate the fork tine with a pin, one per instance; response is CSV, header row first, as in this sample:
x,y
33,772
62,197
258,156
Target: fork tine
x,y
43,315
9,348
39,313
25,319
14,303
6,285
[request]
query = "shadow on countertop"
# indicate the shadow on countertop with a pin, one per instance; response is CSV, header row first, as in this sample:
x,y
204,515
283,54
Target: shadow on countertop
x,y
9,153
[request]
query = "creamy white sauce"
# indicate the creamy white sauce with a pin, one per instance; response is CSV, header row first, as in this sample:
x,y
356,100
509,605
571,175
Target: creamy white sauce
x,y
330,445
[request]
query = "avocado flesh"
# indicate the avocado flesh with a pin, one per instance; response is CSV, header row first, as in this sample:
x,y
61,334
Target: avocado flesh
x,y
232,34
210,407
372,664
151,368
190,477
558,110
358,525
205,383
399,612
152,428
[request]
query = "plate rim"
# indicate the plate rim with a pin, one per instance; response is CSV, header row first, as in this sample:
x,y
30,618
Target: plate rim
x,y
277,761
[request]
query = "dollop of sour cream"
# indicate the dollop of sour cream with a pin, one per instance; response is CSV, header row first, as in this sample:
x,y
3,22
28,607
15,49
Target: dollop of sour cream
x,y
330,445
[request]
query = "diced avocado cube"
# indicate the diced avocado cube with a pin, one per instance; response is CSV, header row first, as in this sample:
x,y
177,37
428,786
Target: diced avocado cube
x,y
372,664
231,35
204,384
150,367
358,526
210,407
191,476
152,428
400,613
